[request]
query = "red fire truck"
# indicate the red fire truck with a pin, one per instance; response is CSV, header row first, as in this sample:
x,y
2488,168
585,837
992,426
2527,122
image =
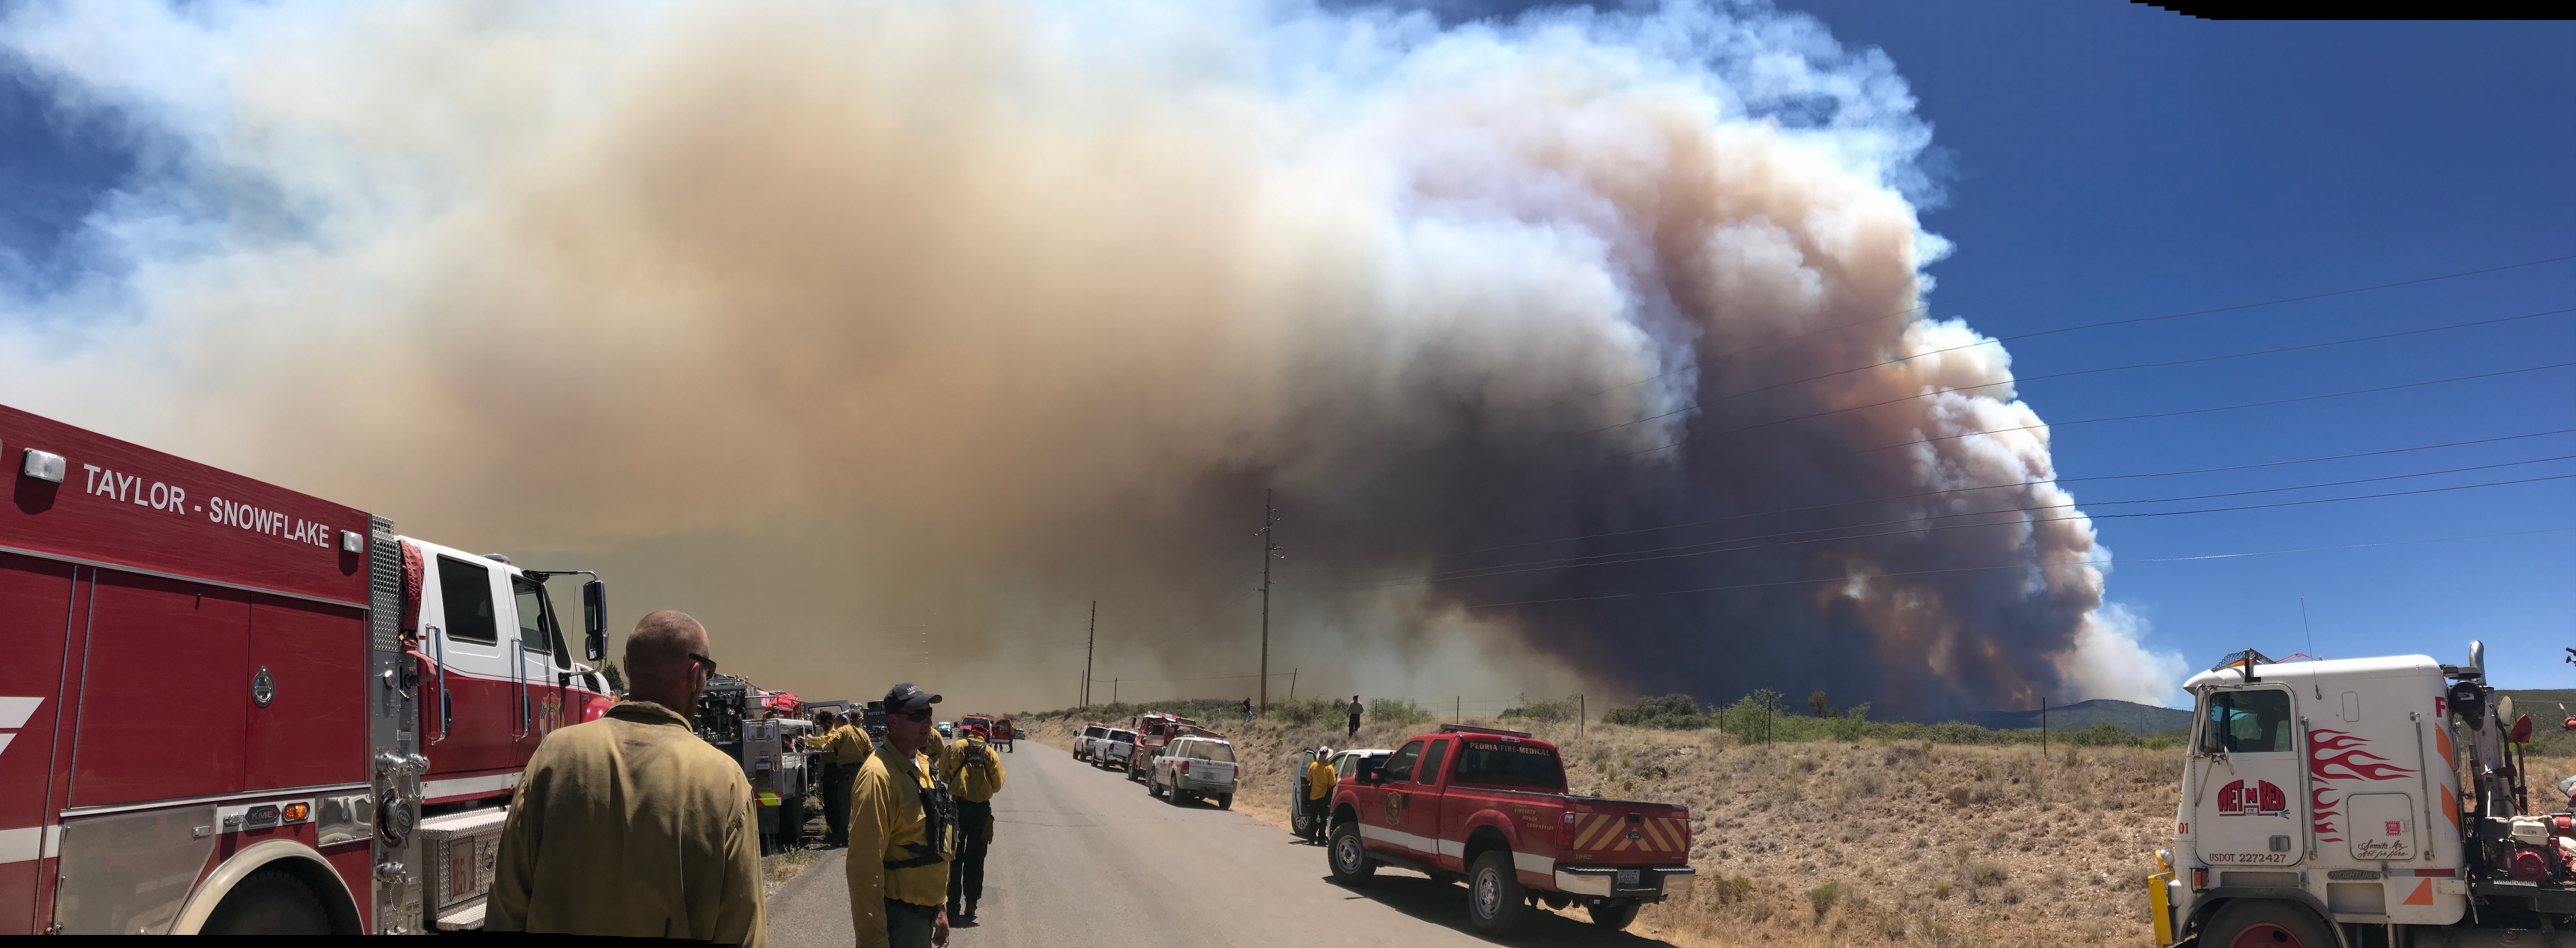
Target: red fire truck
x,y
228,707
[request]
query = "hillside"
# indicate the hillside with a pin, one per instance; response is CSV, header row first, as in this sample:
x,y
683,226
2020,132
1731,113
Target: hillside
x,y
2128,715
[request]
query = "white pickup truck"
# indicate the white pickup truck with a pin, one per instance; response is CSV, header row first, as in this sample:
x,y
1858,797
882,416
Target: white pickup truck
x,y
1194,766
1112,749
1085,743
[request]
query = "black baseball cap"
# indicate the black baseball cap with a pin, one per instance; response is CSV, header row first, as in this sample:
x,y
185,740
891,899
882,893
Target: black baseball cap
x,y
908,697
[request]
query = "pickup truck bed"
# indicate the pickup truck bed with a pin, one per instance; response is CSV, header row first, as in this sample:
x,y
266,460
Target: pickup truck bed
x,y
1489,807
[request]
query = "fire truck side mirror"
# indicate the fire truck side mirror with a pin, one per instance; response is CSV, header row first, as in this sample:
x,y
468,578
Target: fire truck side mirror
x,y
594,620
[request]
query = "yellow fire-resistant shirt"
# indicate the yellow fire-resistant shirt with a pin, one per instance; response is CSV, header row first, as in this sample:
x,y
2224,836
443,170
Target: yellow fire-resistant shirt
x,y
847,744
1319,779
977,783
631,825
886,821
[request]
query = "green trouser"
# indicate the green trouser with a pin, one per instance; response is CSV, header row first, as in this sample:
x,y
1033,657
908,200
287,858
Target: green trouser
x,y
836,802
974,840
908,925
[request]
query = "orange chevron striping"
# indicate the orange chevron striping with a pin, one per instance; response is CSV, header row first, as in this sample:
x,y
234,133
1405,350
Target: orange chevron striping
x,y
1661,836
1586,825
1680,832
1648,837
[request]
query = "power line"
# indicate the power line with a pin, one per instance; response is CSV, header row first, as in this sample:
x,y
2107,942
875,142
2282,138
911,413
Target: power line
x,y
1955,490
1998,340
2115,368
2191,411
1621,559
1976,569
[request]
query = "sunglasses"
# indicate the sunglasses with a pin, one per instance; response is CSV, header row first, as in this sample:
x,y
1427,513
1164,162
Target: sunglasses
x,y
917,717
703,660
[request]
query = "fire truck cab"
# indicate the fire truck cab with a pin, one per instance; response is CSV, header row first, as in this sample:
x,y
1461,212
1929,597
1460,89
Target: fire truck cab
x,y
229,707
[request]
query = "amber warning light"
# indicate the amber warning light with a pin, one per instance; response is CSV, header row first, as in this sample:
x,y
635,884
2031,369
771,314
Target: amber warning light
x,y
296,812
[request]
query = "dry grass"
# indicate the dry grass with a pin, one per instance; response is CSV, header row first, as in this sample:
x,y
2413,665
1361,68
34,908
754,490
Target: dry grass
x,y
1844,844
1859,844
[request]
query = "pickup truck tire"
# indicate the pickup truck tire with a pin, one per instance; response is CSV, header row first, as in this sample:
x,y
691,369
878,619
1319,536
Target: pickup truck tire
x,y
1496,902
2268,923
1225,801
1349,859
1614,916
1153,788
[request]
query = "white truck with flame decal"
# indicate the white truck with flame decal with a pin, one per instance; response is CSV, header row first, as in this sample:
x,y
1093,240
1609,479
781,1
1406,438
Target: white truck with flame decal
x,y
2361,802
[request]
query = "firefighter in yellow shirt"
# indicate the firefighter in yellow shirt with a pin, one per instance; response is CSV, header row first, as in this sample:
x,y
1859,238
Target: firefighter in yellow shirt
x,y
1319,791
900,840
631,825
845,747
973,776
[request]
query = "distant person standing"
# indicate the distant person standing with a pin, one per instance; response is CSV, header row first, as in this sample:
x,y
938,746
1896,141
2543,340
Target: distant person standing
x,y
1247,710
629,824
974,775
1355,716
902,834
845,748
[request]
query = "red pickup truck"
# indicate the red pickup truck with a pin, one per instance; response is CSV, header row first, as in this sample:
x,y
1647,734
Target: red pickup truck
x,y
1489,807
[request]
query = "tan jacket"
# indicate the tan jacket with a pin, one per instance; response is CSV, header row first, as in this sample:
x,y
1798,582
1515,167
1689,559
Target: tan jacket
x,y
847,745
631,825
885,820
975,784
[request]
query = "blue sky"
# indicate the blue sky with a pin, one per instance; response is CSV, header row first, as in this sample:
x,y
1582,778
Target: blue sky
x,y
2107,161
2131,162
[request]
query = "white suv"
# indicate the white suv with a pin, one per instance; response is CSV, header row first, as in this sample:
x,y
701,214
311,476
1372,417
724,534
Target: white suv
x,y
1091,734
1195,766
1111,750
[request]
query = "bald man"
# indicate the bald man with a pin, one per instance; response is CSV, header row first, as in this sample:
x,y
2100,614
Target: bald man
x,y
631,825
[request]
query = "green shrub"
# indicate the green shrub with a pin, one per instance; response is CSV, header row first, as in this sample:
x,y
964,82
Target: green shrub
x,y
1545,712
1824,896
1396,711
1670,712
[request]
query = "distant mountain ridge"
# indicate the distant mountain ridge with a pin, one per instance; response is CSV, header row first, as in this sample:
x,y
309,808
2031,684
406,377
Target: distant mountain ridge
x,y
2129,715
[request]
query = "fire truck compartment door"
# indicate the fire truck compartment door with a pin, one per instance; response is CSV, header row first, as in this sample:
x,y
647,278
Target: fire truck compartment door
x,y
170,687
313,729
2253,805
130,873
35,595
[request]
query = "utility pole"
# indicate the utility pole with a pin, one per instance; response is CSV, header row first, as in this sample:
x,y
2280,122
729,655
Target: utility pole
x,y
1269,551
1292,686
1089,639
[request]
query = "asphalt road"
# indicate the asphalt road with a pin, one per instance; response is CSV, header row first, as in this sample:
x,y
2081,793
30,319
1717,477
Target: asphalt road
x,y
1082,858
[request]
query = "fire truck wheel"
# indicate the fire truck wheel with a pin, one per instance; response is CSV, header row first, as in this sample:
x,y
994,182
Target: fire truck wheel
x,y
1225,801
1614,916
1350,860
2264,923
1495,900
269,902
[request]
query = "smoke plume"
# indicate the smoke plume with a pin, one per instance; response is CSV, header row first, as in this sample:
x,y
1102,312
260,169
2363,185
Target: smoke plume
x,y
888,336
